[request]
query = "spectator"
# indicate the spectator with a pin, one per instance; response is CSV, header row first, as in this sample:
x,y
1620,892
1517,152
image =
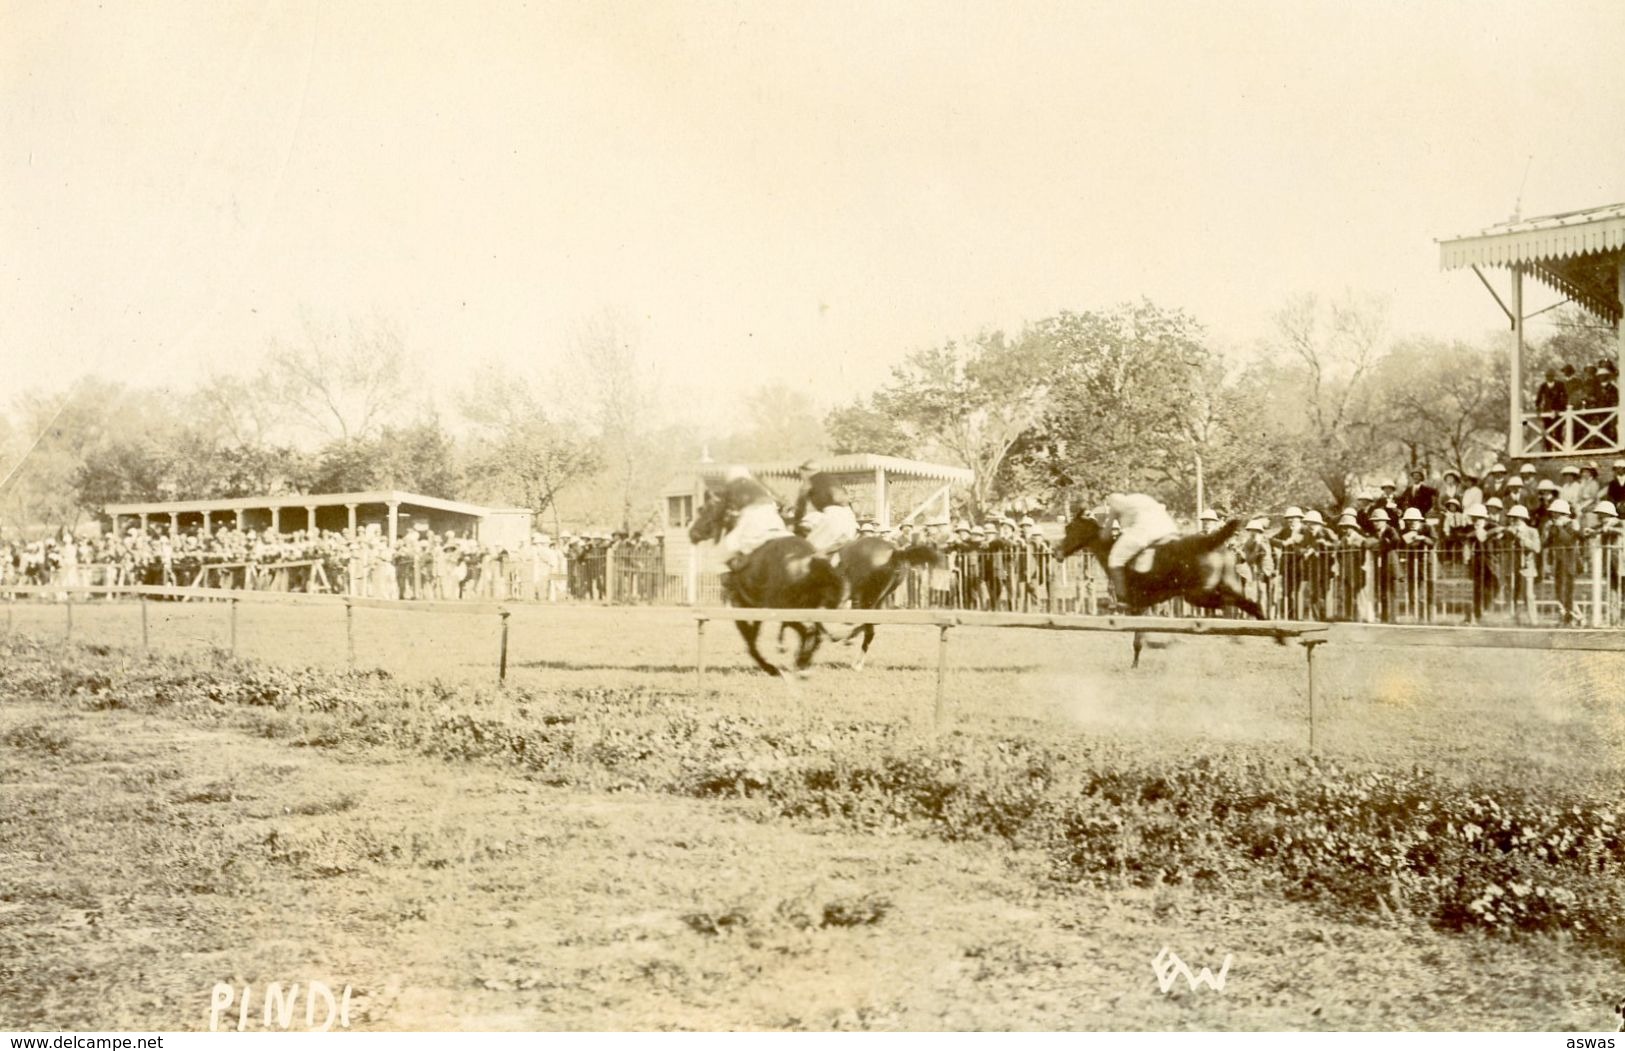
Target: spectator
x,y
1551,399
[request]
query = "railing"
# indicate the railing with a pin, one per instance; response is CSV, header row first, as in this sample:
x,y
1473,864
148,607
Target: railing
x,y
1571,431
1492,582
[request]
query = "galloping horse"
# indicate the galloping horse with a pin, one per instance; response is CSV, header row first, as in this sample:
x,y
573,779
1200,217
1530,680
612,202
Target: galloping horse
x,y
783,573
1199,569
873,567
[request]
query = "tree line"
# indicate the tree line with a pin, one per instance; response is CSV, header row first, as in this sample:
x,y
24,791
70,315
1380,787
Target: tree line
x,y
1065,409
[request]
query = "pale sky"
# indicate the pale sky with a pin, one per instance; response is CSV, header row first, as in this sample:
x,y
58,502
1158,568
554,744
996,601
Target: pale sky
x,y
796,192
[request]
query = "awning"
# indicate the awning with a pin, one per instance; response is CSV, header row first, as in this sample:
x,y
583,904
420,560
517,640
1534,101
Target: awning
x,y
1576,253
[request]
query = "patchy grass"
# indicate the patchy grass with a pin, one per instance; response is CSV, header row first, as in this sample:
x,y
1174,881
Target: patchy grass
x,y
635,857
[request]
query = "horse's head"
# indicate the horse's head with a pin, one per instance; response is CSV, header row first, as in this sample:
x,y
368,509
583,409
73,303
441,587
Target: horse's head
x,y
710,521
1083,532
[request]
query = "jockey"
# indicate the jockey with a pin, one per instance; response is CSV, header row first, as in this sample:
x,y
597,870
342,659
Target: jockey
x,y
829,520
1143,522
758,512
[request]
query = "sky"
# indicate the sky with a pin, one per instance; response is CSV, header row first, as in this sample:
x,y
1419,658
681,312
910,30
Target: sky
x,y
760,192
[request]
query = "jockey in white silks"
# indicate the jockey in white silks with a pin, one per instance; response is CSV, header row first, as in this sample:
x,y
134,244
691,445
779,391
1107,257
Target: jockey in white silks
x,y
1143,522
822,509
758,520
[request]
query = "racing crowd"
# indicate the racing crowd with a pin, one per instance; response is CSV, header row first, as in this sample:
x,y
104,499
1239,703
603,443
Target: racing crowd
x,y
1502,532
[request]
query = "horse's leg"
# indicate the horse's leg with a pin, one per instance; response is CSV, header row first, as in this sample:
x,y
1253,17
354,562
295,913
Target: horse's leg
x,y
868,637
809,646
1139,644
750,629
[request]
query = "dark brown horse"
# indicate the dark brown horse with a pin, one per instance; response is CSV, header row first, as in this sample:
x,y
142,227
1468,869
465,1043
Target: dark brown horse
x,y
1199,569
783,573
873,567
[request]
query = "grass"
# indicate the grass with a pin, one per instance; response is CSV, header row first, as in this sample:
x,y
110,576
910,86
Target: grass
x,y
254,836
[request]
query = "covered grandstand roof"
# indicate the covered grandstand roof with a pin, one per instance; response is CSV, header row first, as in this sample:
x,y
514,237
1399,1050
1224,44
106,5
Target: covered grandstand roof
x,y
855,465
259,503
1576,253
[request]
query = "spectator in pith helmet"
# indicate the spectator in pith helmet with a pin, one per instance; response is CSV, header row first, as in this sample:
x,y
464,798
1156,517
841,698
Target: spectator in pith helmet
x,y
1590,487
1561,542
1569,486
1291,533
1208,520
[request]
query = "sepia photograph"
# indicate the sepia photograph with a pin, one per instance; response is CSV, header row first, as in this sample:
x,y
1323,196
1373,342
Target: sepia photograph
x,y
705,516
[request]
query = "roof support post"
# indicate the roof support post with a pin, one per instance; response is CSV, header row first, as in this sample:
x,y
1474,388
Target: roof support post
x,y
1619,363
394,520
276,520
143,523
882,511
351,509
174,525
310,517
239,520
1515,384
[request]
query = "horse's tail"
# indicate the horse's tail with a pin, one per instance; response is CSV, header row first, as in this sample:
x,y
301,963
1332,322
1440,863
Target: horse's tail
x,y
919,555
1220,535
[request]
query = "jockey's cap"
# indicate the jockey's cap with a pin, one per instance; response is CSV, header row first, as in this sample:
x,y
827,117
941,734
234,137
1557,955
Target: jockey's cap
x,y
1605,509
1560,507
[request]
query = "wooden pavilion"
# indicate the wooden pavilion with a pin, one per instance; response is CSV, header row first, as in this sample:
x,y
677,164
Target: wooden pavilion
x,y
1581,255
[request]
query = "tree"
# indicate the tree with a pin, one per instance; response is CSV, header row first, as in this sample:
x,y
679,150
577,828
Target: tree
x,y
1129,407
862,428
1443,403
783,424
417,458
341,385
620,393
1323,384
519,452
970,402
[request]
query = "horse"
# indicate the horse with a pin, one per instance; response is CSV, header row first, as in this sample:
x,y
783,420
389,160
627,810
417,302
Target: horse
x,y
872,568
1199,569
783,573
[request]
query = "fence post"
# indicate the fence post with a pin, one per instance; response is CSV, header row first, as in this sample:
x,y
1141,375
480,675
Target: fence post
x,y
234,625
67,632
699,654
502,661
1309,656
349,630
1596,585
940,715
146,646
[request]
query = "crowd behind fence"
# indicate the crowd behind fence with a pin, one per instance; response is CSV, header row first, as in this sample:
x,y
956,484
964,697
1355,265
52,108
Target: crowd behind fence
x,y
1495,581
